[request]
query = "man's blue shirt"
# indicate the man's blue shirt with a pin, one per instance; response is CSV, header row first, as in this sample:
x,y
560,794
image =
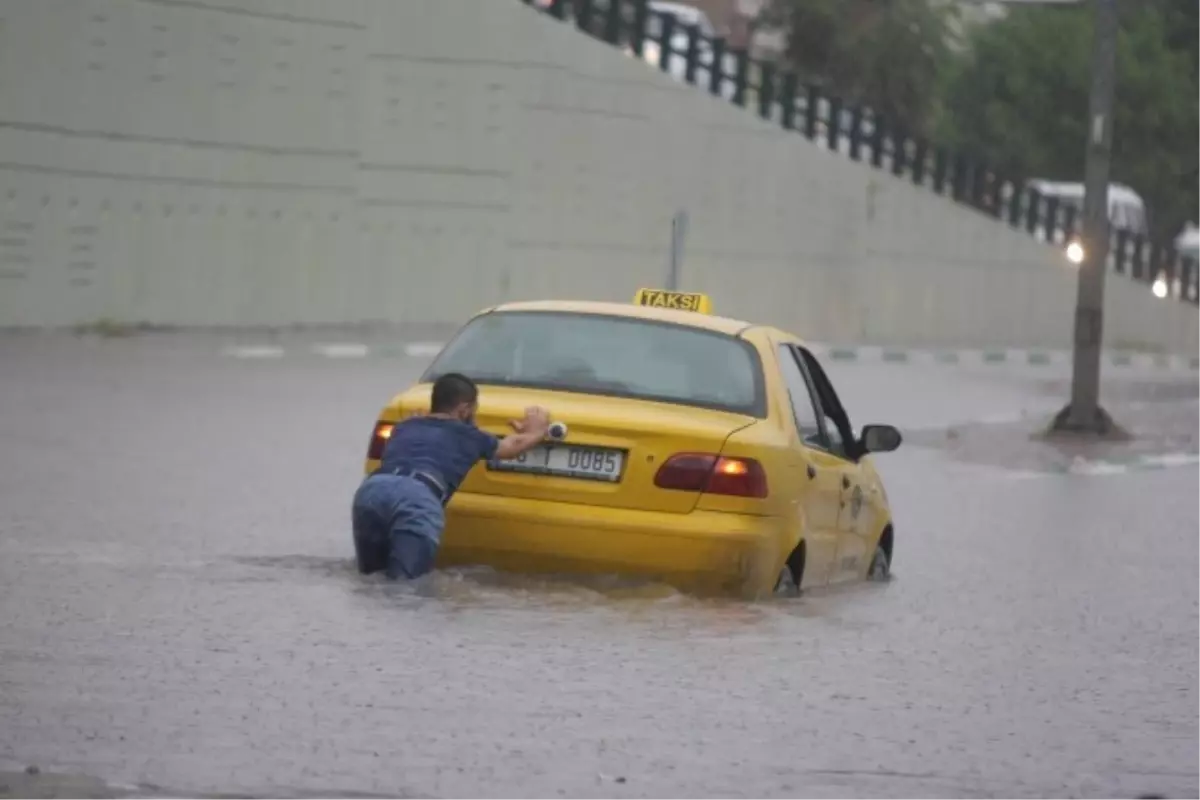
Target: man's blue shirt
x,y
445,448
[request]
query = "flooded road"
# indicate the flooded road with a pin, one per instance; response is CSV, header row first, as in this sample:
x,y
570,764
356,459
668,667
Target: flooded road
x,y
181,614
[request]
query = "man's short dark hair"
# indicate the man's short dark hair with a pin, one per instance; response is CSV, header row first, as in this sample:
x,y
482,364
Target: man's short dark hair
x,y
450,391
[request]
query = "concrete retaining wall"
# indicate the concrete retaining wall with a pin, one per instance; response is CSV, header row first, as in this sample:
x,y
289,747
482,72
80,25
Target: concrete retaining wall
x,y
262,162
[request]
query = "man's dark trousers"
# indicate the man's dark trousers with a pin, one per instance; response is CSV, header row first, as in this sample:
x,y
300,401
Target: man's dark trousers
x,y
398,523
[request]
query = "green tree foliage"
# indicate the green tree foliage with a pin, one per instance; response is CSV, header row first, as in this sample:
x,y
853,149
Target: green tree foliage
x,y
1019,98
885,54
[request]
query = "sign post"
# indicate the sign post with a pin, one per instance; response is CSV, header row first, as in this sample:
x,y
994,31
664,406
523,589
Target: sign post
x,y
679,224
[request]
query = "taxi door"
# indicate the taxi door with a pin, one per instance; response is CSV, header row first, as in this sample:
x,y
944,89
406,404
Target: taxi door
x,y
855,503
816,472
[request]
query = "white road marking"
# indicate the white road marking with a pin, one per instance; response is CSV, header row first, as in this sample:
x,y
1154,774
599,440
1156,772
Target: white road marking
x,y
254,351
343,350
1167,460
1082,466
423,349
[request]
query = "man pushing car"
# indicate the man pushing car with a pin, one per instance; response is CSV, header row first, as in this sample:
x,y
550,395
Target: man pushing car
x,y
398,512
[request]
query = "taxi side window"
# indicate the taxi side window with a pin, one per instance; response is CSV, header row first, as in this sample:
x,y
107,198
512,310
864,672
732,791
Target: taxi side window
x,y
837,423
809,420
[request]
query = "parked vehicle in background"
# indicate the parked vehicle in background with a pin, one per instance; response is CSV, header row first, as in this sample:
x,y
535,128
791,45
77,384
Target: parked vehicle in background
x,y
1126,209
686,18
1187,244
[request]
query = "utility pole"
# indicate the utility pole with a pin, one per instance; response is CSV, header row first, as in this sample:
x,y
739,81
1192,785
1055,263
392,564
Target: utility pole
x,y
1084,415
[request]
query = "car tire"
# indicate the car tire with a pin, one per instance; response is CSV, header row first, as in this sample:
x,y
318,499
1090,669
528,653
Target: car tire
x,y
881,565
785,585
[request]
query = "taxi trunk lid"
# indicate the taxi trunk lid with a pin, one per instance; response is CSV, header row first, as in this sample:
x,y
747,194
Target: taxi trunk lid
x,y
614,446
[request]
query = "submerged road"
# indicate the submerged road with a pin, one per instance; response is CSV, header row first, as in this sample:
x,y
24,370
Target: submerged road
x,y
180,614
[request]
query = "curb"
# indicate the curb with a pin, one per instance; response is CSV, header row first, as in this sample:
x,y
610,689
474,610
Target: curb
x,y
1117,359
999,356
1100,468
339,350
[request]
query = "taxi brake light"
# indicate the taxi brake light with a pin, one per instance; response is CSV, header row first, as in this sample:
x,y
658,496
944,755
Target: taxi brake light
x,y
712,474
379,439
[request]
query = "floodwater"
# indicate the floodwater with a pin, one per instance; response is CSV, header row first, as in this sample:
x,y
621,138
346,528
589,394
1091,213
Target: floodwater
x,y
181,614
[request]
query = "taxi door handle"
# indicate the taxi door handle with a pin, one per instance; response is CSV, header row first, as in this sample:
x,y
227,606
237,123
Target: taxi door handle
x,y
812,472
845,481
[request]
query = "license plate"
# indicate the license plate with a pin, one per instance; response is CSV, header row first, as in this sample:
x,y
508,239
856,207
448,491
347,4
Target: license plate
x,y
571,462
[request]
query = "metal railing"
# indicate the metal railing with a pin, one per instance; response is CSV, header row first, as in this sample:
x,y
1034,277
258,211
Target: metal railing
x,y
779,96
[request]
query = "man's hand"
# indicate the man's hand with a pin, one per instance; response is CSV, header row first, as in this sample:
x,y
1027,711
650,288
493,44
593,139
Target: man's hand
x,y
528,432
537,419
535,416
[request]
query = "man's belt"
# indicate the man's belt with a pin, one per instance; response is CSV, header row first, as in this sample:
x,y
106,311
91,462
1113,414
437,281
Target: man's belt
x,y
435,485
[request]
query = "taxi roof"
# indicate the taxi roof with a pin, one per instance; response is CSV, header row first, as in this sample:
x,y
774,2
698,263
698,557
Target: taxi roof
x,y
691,319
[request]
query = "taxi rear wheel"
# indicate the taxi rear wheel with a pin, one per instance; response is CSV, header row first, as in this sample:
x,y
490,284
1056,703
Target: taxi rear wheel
x,y
881,565
786,586
792,573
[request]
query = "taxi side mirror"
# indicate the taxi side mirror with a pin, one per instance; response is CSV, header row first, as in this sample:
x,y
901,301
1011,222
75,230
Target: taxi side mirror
x,y
880,438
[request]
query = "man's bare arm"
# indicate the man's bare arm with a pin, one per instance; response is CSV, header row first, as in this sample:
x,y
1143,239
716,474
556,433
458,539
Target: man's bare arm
x,y
529,432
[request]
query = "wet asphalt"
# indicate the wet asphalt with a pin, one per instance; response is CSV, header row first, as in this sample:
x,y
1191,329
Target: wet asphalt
x,y
180,614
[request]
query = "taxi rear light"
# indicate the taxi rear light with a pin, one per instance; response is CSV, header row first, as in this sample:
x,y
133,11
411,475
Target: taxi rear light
x,y
712,474
379,439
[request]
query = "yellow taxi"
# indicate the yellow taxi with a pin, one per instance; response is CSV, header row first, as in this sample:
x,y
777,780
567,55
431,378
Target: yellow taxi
x,y
701,451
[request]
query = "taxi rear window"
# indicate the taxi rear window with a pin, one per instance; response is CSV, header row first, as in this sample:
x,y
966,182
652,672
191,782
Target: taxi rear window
x,y
608,355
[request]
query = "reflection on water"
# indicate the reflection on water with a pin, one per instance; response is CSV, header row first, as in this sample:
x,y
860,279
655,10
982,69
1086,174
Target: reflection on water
x,y
484,590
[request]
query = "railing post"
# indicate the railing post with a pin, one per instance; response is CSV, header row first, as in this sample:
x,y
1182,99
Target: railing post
x,y
1122,259
996,195
741,77
1033,211
856,126
766,90
879,134
1137,264
1014,205
612,22
693,53
1070,220
899,151
812,101
833,125
716,74
1051,215
958,186
1167,269
978,182
920,148
788,100
666,33
940,165
641,13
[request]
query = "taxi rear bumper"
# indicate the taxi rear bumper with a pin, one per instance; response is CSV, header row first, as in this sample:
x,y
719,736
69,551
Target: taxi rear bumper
x,y
702,551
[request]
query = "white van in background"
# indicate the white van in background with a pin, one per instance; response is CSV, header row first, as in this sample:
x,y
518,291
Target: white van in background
x,y
1187,244
686,17
1126,209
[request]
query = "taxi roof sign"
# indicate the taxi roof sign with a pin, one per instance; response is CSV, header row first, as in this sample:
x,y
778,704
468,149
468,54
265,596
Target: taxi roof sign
x,y
681,301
